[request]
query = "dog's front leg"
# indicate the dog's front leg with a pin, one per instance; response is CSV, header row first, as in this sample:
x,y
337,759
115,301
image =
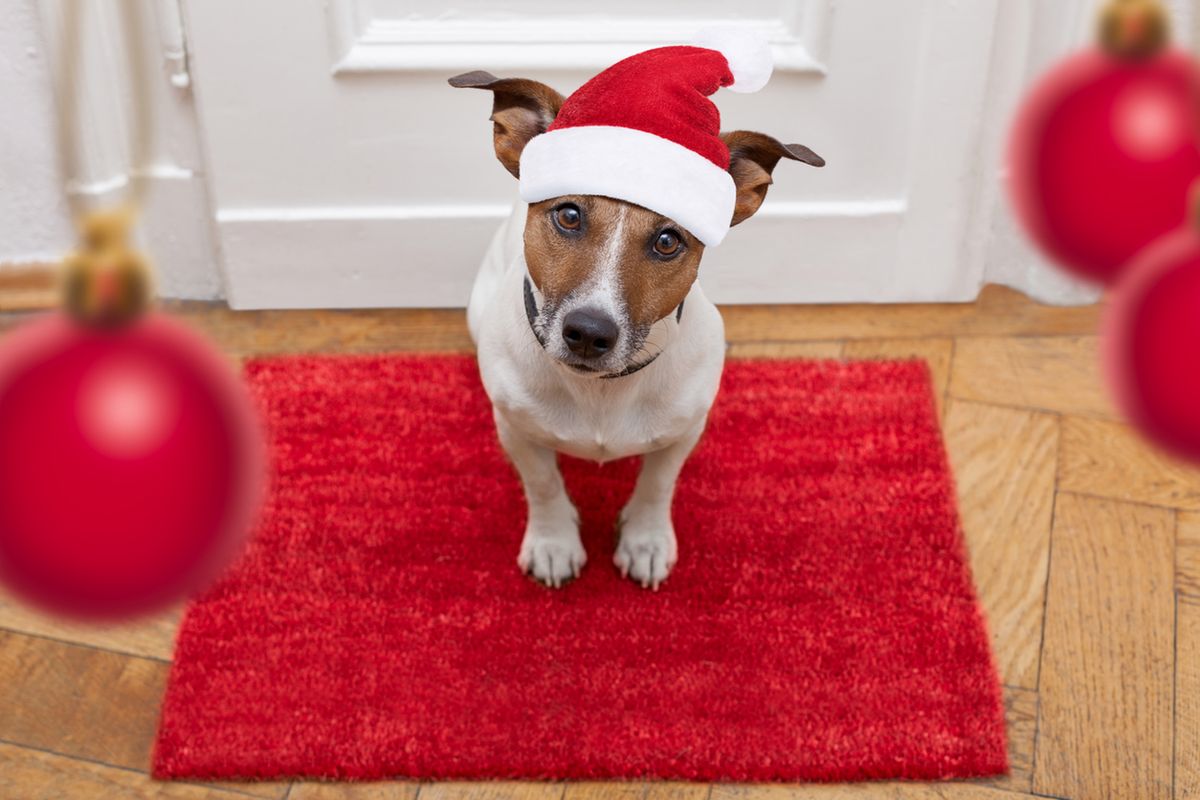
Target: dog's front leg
x,y
647,549
551,550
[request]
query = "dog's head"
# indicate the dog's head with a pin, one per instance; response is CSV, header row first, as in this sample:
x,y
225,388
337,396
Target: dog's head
x,y
607,270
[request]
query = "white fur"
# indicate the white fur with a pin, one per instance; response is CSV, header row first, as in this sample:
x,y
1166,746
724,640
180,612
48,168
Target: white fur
x,y
541,407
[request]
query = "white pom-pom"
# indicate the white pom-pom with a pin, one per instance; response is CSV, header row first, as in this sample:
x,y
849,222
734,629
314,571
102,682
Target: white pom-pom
x,y
748,54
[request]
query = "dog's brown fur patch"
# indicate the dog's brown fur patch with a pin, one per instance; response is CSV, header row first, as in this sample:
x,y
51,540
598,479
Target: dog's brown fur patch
x,y
521,109
560,263
752,160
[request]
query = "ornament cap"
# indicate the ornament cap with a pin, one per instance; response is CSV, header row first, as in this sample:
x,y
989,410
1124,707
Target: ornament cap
x,y
1134,29
106,282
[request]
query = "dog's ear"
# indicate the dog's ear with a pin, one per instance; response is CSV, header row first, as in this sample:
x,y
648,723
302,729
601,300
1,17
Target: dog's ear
x,y
752,159
521,109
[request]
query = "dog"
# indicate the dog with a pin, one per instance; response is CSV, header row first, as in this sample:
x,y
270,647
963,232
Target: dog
x,y
595,339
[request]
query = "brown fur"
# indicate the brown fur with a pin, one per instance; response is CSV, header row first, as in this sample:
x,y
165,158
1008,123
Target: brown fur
x,y
752,159
559,264
521,109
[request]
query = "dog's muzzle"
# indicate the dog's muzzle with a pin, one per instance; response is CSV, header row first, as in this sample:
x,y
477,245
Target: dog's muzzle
x,y
587,334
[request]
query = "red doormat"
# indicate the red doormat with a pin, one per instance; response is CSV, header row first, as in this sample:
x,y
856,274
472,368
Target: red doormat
x,y
821,623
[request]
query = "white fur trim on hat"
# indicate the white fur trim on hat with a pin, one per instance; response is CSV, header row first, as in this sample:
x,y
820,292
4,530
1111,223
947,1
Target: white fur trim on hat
x,y
748,53
634,166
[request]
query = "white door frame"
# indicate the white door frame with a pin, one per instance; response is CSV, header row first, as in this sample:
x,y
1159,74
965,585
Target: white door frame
x,y
176,225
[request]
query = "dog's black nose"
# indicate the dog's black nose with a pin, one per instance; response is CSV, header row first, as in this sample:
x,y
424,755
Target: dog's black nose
x,y
589,333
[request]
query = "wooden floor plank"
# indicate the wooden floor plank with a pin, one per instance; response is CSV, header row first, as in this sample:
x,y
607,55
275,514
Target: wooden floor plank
x,y
999,311
497,790
936,353
269,790
1108,459
1187,699
246,333
354,791
1187,556
31,775
821,350
635,790
609,790
152,637
1020,715
1004,465
1105,719
78,701
677,791
1054,374
864,791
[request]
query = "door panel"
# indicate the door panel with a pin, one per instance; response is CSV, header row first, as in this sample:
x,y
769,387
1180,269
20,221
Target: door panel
x,y
346,173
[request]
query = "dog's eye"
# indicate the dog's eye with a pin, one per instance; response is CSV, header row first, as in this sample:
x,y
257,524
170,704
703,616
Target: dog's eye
x,y
568,217
667,243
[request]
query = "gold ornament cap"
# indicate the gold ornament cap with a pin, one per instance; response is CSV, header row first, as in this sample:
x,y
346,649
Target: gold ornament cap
x,y
106,282
1134,29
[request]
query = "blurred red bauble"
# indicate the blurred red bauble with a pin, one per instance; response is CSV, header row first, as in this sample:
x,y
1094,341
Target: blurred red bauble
x,y
1152,343
130,464
1102,155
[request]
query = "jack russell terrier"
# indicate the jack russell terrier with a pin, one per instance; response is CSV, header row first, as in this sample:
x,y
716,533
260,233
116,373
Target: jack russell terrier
x,y
594,338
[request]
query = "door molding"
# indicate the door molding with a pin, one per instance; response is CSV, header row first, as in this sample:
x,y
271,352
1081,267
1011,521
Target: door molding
x,y
367,39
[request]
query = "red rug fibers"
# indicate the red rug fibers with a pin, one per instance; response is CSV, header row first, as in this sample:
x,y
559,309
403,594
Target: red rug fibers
x,y
821,623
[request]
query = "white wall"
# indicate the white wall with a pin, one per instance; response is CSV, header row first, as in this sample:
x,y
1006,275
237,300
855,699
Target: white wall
x,y
34,221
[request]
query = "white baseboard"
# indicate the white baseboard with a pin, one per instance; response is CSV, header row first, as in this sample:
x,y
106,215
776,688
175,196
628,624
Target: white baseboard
x,y
378,257
426,256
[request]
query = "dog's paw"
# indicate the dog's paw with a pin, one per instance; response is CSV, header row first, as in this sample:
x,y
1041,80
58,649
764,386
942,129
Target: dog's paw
x,y
646,553
553,560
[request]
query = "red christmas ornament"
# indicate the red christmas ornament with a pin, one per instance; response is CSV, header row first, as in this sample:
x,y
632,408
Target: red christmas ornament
x,y
1152,343
1106,145
130,458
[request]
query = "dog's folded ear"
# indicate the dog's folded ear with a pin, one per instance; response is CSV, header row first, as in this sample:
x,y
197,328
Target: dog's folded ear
x,y
752,159
521,109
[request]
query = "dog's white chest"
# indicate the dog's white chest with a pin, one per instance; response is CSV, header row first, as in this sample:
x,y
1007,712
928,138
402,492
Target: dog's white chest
x,y
600,428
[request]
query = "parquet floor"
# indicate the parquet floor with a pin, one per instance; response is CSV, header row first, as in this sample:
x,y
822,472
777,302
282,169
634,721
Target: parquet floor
x,y
1085,546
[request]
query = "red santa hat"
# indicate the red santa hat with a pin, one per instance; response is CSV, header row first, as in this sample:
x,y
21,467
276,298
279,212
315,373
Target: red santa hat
x,y
645,131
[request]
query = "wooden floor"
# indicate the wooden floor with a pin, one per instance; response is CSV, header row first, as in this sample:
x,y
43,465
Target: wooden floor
x,y
1085,546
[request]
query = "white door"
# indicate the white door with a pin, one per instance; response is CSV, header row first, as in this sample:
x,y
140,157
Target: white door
x,y
344,172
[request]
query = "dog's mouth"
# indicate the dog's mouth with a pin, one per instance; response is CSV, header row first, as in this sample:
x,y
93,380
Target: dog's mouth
x,y
629,368
641,356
